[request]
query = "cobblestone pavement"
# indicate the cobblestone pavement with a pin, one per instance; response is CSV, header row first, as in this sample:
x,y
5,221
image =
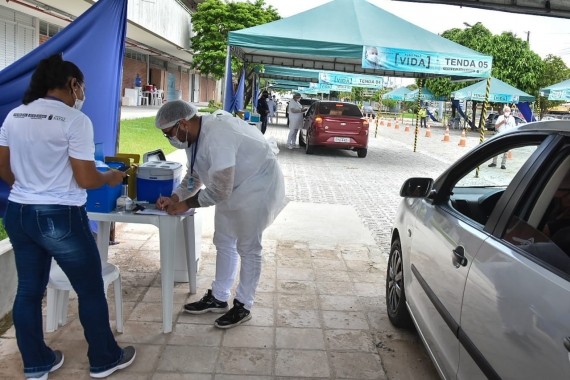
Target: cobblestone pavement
x,y
370,184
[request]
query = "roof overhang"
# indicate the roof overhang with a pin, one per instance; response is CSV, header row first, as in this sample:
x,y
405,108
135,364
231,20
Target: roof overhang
x,y
550,8
146,41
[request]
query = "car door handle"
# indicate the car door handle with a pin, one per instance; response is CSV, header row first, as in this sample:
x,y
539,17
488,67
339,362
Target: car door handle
x,y
458,258
567,343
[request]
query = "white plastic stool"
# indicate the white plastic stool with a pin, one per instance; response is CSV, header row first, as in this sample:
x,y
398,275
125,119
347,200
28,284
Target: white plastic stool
x,y
58,295
144,101
157,98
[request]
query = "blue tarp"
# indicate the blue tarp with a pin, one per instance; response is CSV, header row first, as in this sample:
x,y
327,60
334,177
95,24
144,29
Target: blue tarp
x,y
95,42
526,112
458,107
229,95
237,102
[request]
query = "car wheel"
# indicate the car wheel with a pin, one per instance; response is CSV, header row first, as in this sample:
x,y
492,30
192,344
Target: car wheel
x,y
395,294
301,141
309,149
362,152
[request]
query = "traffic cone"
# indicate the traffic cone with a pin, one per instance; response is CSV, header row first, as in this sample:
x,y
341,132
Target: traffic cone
x,y
428,131
381,121
407,127
463,141
397,125
510,155
446,136
389,124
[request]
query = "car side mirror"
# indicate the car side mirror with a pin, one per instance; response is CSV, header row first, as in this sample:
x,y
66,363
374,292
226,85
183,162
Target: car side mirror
x,y
416,188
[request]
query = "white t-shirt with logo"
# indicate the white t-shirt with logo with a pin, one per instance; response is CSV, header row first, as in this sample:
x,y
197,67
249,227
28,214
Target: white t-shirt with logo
x,y
42,136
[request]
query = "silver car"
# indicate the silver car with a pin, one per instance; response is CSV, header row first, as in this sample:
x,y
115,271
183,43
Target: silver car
x,y
480,258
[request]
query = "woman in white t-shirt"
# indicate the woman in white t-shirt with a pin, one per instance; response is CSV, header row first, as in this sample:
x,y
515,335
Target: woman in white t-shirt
x,y
47,158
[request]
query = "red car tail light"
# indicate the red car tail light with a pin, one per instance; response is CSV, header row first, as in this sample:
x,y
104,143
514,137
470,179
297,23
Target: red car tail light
x,y
318,122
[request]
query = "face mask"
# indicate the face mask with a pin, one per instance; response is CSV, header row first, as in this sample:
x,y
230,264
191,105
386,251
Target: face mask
x,y
78,102
507,114
373,58
175,142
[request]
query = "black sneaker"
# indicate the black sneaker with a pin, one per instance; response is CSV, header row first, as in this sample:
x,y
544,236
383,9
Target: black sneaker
x,y
492,165
237,315
206,304
56,365
503,167
129,354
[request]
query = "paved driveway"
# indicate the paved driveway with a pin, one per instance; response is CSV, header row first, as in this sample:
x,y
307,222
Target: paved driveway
x,y
320,308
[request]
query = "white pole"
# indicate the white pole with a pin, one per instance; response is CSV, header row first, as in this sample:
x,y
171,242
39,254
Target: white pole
x,y
228,57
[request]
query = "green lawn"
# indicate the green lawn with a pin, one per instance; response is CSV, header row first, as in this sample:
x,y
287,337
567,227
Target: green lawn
x,y
3,234
139,136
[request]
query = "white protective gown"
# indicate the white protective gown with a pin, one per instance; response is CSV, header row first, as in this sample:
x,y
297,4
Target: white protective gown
x,y
241,174
295,115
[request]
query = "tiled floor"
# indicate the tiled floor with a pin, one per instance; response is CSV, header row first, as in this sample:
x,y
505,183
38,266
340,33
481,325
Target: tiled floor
x,y
318,310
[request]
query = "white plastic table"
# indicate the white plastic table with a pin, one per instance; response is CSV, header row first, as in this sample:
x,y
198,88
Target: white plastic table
x,y
176,233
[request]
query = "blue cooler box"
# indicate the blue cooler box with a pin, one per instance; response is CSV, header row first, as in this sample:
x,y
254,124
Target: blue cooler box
x,y
156,178
103,199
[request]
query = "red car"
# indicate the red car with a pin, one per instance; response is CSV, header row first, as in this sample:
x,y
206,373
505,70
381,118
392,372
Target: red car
x,y
336,125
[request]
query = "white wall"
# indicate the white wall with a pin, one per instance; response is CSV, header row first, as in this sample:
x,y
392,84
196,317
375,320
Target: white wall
x,y
8,277
165,18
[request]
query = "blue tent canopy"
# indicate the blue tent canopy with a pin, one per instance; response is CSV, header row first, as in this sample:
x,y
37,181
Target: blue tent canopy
x,y
558,91
336,43
500,92
426,95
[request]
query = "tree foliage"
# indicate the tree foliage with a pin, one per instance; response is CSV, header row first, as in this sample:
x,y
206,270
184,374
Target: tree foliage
x,y
211,25
554,71
513,61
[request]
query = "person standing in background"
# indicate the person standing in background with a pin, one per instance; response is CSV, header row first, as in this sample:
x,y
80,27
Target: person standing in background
x,y
263,110
47,158
272,105
295,120
504,122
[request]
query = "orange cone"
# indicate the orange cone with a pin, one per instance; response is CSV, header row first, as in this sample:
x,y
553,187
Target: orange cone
x,y
389,124
510,155
428,131
446,136
397,126
407,127
463,141
381,121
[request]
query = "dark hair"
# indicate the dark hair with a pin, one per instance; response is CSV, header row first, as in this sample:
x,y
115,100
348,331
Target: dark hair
x,y
51,73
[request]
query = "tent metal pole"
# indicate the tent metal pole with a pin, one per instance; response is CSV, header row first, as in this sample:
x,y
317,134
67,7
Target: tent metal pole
x,y
417,130
224,85
253,88
483,118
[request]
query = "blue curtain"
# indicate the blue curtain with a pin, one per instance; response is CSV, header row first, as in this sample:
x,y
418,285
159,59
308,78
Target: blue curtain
x,y
95,42
229,95
526,112
255,92
237,103
458,107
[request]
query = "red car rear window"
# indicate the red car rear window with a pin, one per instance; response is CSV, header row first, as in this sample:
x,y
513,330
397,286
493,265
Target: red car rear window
x,y
339,109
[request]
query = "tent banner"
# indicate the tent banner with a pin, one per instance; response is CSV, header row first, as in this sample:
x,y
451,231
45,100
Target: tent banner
x,y
417,61
480,97
366,81
559,95
314,91
330,87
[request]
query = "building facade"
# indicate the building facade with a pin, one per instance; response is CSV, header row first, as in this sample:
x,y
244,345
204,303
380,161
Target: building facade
x,y
157,47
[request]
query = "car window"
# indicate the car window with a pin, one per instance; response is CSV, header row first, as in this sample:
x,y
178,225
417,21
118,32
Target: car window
x,y
339,109
541,225
476,194
490,172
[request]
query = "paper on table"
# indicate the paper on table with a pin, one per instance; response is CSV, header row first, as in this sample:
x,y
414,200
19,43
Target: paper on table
x,y
150,211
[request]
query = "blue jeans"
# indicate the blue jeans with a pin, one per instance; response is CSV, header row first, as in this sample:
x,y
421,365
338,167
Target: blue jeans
x,y
38,233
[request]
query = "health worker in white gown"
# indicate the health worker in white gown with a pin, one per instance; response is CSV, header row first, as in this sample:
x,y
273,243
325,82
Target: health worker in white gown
x,y
231,166
295,120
